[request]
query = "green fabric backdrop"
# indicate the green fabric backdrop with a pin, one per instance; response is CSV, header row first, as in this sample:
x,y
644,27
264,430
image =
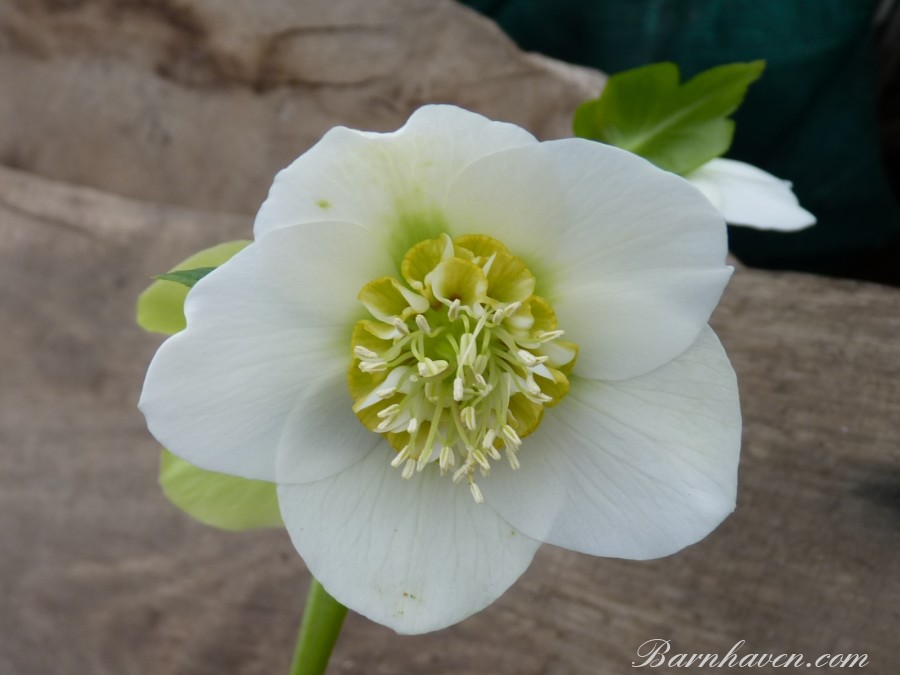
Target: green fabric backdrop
x,y
810,119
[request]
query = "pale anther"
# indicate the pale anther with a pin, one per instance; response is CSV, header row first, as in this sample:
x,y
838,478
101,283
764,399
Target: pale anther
x,y
424,458
385,425
453,312
429,368
513,460
401,457
539,397
373,366
423,324
466,349
458,392
408,469
468,417
392,409
501,314
532,387
400,325
547,336
446,459
476,493
364,353
488,440
512,438
530,359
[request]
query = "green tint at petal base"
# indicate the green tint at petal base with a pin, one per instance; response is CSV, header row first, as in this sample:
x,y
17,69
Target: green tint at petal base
x,y
160,306
216,499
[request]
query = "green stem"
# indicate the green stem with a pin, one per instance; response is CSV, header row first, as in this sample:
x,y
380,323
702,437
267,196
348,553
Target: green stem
x,y
319,630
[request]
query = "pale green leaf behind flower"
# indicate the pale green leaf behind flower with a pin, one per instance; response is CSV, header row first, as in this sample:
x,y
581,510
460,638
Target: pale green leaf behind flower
x,y
160,306
216,499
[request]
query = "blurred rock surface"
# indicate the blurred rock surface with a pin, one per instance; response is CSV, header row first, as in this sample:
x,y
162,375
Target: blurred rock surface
x,y
200,102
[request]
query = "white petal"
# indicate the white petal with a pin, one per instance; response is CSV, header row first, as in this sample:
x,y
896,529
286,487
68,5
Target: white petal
x,y
322,436
634,469
261,330
631,257
415,555
747,195
626,326
394,183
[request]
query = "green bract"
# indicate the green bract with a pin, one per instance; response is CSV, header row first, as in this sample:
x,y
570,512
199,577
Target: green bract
x,y
159,307
185,277
216,499
226,502
678,127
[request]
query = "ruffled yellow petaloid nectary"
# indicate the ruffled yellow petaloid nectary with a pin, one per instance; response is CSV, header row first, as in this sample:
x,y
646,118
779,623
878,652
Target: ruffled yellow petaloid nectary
x,y
460,357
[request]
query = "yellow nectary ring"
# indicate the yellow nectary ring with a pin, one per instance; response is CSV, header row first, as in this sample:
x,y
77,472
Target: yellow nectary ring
x,y
459,359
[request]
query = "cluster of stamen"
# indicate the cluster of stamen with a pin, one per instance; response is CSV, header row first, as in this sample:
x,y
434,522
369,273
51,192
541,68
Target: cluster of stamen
x,y
458,362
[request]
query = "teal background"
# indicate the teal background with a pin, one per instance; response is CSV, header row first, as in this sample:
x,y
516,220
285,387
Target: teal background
x,y
811,118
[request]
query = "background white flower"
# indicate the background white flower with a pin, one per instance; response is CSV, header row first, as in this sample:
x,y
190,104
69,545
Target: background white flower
x,y
747,195
638,460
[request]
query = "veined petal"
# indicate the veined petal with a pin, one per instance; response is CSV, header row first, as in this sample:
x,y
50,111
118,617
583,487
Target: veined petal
x,y
322,435
592,221
626,316
634,469
415,555
747,195
261,330
394,183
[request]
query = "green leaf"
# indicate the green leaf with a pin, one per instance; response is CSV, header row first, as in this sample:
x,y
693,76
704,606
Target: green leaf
x,y
160,306
186,277
678,127
216,499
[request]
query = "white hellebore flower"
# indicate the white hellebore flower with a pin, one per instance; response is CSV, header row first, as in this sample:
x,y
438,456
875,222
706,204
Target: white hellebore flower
x,y
451,343
747,195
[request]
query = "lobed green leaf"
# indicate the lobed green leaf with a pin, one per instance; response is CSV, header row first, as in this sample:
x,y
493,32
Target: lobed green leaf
x,y
678,127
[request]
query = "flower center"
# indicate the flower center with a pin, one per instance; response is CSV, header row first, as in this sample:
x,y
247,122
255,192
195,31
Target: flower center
x,y
459,359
